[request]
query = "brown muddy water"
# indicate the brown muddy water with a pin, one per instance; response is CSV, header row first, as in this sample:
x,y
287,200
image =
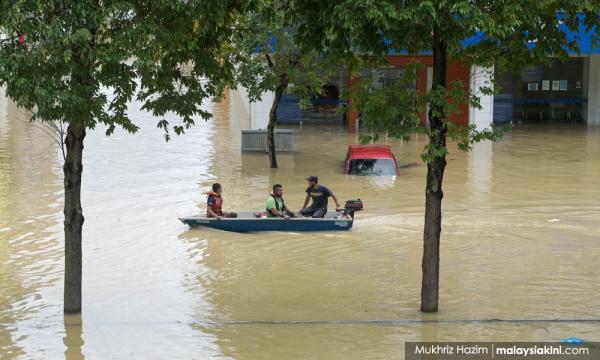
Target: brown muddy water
x,y
521,242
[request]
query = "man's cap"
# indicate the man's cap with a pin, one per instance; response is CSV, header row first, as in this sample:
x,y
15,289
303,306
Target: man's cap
x,y
313,178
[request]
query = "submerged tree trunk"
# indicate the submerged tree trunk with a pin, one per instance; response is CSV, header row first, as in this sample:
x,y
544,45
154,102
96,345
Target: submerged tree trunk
x,y
73,216
279,90
433,189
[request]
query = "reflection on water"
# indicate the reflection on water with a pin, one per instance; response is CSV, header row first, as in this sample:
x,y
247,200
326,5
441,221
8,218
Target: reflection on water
x,y
30,250
73,338
520,241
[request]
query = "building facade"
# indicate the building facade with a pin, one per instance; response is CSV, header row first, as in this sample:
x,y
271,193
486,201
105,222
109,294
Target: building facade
x,y
565,92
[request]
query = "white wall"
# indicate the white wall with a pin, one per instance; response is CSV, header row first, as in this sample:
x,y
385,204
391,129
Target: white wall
x,y
258,112
243,97
593,105
484,117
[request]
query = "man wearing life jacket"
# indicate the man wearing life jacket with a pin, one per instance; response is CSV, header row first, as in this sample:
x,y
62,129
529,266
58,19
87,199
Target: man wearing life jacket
x,y
214,203
276,206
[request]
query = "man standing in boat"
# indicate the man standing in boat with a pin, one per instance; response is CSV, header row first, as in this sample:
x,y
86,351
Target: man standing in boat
x,y
276,206
319,195
214,204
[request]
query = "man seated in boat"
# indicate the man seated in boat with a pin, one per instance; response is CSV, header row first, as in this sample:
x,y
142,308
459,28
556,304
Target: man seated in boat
x,y
319,195
276,206
214,204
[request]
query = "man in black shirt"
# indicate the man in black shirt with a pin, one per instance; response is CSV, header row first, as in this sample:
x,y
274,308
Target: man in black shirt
x,y
319,195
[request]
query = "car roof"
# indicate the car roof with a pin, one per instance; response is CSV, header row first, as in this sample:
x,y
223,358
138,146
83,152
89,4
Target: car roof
x,y
370,151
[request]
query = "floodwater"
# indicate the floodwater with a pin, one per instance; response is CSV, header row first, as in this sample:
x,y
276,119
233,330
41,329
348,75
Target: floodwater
x,y
520,242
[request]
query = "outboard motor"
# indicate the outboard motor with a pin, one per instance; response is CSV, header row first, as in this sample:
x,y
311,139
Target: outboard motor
x,y
352,206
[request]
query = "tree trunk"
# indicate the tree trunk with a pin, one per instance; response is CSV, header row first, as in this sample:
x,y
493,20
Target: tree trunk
x,y
73,216
279,90
433,189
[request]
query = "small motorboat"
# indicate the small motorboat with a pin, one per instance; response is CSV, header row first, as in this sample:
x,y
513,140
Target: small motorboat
x,y
251,221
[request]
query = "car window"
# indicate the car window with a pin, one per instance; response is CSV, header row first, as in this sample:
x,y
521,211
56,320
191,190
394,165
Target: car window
x,y
372,167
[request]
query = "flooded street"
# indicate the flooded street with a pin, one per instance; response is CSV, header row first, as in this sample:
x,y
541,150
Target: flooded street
x,y
520,242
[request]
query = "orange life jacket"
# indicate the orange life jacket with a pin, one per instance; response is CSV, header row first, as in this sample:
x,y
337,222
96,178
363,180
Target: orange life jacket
x,y
216,207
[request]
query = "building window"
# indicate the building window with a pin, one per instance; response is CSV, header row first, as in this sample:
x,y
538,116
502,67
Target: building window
x,y
386,76
563,85
545,85
532,86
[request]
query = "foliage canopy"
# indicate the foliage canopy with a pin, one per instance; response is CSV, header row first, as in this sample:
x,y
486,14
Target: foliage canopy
x,y
83,61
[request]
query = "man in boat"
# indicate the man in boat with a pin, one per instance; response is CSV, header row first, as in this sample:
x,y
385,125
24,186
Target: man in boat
x,y
276,206
319,195
214,204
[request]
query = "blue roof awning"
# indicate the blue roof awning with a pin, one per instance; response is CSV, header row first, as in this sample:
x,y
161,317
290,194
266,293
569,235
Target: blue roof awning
x,y
583,37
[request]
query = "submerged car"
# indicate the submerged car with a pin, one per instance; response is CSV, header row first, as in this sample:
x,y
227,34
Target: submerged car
x,y
370,160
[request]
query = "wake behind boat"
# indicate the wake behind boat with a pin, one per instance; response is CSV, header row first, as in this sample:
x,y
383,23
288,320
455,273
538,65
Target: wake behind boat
x,y
250,221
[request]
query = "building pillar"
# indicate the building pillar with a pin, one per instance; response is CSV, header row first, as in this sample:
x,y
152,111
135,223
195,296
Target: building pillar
x,y
593,104
484,117
480,156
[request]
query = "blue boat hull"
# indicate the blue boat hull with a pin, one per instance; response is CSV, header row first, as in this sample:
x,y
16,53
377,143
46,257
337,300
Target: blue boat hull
x,y
270,224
